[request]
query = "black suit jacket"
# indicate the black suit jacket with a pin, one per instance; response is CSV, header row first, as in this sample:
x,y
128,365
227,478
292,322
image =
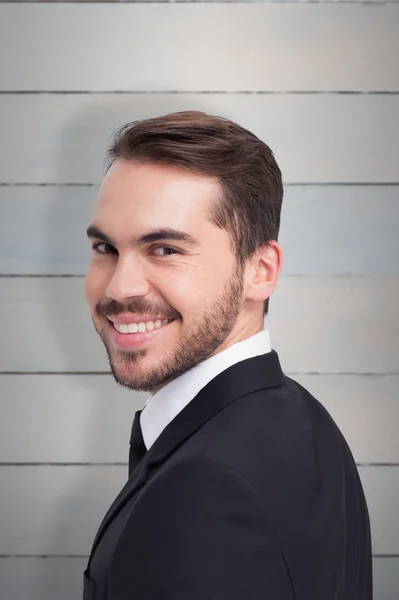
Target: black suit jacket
x,y
250,493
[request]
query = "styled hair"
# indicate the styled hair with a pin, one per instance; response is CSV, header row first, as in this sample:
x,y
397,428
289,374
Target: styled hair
x,y
249,207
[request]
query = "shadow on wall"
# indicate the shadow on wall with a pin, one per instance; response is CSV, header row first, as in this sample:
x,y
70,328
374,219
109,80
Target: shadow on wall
x,y
83,502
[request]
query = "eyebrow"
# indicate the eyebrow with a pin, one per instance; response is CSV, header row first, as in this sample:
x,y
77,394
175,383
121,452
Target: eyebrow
x,y
157,235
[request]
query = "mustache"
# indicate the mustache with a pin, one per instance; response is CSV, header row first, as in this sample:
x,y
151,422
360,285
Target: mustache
x,y
137,305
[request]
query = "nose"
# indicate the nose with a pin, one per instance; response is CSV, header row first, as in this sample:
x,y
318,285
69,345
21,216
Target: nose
x,y
127,281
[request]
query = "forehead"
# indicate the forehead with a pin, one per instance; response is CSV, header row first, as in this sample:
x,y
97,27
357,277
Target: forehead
x,y
149,193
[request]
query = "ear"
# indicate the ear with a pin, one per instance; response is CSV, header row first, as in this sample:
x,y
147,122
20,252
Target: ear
x,y
263,271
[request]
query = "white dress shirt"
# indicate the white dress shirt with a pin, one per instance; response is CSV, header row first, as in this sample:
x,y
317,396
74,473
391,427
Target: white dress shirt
x,y
163,406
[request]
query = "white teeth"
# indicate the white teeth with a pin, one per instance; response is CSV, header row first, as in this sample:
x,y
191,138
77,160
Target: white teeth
x,y
140,327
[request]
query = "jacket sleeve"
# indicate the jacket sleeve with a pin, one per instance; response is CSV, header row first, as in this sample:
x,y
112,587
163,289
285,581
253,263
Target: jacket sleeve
x,y
198,532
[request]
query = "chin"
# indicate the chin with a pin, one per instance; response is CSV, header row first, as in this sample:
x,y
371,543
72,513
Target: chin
x,y
124,378
132,375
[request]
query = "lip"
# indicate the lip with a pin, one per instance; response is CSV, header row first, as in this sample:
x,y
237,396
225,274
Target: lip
x,y
126,341
132,318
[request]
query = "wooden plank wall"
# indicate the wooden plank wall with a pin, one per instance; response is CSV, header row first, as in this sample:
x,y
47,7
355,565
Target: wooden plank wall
x,y
319,82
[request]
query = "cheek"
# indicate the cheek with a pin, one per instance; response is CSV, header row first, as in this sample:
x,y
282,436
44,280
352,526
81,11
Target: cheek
x,y
88,289
189,293
94,285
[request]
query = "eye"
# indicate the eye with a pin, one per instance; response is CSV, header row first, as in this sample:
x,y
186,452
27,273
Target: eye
x,y
165,251
103,248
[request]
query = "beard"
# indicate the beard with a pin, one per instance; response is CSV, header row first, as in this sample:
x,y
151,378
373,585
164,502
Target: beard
x,y
209,330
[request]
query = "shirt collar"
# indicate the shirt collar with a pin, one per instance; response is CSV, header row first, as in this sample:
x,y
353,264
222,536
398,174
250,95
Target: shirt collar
x,y
161,408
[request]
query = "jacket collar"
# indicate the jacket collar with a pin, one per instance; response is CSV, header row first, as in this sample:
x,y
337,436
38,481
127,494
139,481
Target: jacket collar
x,y
243,378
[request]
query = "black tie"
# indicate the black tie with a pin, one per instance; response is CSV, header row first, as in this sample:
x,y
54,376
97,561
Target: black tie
x,y
137,446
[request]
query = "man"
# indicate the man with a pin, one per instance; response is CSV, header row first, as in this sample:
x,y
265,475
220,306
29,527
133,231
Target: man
x,y
240,484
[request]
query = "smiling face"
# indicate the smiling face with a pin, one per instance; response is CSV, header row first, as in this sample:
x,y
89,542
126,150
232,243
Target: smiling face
x,y
163,285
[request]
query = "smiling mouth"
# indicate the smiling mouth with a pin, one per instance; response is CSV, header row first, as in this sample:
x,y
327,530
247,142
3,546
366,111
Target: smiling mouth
x,y
141,327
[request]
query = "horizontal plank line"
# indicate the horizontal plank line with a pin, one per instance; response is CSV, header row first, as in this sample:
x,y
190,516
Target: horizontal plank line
x,y
207,92
285,2
41,276
73,373
50,184
44,556
286,185
63,464
288,373
339,373
124,464
378,464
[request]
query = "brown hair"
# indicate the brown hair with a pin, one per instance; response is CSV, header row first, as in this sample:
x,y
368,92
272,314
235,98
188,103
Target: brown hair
x,y
244,166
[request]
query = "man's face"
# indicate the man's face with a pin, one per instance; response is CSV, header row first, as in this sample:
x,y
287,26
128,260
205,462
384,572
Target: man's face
x,y
183,296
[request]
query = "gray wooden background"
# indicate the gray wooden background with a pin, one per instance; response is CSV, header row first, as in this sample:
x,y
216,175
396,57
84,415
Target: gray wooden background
x,y
319,82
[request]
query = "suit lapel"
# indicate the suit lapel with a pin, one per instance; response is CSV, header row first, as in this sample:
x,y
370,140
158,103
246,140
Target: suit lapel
x,y
245,377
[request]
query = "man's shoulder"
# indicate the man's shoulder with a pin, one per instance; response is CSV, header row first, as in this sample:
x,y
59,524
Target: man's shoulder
x,y
271,414
281,434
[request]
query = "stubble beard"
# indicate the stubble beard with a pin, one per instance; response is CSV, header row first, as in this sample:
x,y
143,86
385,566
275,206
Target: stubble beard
x,y
209,331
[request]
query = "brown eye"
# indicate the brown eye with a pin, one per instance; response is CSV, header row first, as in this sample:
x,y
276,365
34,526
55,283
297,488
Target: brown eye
x,y
103,248
165,251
